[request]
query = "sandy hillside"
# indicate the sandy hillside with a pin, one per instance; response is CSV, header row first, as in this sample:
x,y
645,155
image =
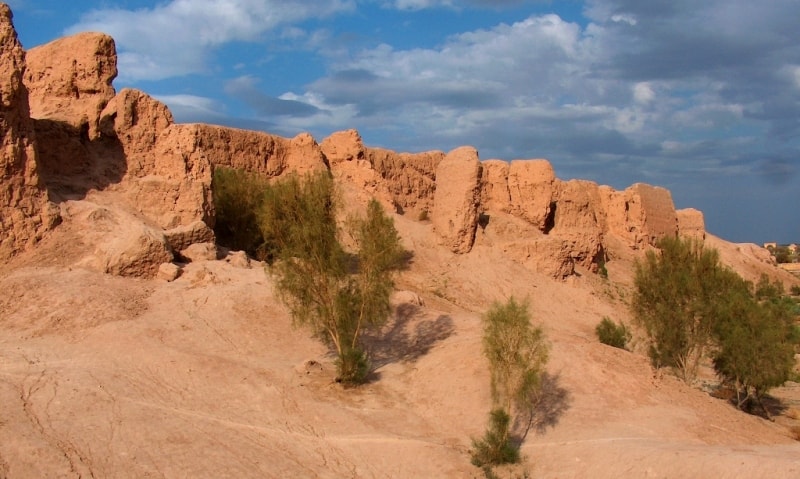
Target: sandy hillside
x,y
205,377
111,366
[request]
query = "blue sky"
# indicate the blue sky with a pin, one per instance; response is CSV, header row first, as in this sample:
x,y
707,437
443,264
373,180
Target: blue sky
x,y
702,98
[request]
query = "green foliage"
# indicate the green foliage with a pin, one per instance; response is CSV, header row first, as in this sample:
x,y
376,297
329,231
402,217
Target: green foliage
x,y
613,334
795,290
687,303
517,353
335,294
756,341
678,293
496,446
237,198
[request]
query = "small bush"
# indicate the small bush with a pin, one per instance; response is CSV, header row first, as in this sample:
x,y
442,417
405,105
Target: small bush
x,y
496,446
423,215
795,290
237,198
613,334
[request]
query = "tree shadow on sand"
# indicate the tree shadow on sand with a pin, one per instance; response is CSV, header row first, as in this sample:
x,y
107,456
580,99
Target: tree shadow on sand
x,y
546,406
398,341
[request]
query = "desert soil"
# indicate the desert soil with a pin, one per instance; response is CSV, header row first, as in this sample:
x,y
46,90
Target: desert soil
x,y
205,376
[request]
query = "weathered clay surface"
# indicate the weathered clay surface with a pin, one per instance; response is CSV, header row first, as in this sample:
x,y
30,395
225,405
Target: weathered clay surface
x,y
691,223
407,180
137,120
455,207
578,220
123,377
342,146
70,79
530,186
641,215
494,186
25,212
117,242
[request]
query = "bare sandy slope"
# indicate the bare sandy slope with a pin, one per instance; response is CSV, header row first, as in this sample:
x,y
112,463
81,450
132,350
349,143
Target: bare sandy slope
x,y
206,377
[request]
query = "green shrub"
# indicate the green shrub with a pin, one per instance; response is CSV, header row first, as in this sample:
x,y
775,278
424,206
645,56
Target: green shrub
x,y
496,446
678,293
517,353
237,198
337,294
613,334
755,342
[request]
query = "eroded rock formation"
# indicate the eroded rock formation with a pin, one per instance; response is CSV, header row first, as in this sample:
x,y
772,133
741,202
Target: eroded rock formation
x,y
157,174
455,205
25,210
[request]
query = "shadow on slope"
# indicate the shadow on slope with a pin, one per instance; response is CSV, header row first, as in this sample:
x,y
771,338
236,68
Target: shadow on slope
x,y
407,337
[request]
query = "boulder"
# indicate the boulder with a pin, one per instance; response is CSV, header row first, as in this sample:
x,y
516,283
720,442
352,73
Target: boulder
x,y
199,252
238,259
25,211
118,242
168,272
70,80
455,205
182,237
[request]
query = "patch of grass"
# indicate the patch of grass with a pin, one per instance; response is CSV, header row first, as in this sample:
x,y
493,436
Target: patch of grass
x,y
613,334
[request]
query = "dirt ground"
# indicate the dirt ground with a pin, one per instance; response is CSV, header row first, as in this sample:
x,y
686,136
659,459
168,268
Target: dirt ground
x,y
205,376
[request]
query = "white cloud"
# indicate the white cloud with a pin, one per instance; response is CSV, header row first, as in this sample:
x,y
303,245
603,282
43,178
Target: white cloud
x,y
176,38
193,108
643,93
624,18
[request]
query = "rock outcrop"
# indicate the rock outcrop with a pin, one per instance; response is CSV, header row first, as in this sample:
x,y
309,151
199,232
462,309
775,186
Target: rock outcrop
x,y
158,176
70,80
691,223
25,210
641,215
531,187
455,205
406,180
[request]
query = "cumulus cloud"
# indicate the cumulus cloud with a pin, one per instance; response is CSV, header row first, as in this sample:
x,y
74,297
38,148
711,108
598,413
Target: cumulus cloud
x,y
177,37
669,92
637,76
